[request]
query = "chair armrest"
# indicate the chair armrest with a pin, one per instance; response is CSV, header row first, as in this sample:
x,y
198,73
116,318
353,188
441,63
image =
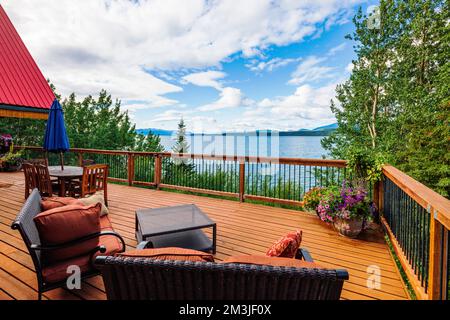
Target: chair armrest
x,y
78,241
303,254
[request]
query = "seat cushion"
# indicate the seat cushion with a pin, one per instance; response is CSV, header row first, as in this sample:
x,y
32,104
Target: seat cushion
x,y
287,246
271,261
169,253
98,197
55,202
64,224
58,271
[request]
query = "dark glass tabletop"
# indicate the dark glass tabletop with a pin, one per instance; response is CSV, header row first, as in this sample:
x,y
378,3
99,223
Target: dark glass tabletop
x,y
153,222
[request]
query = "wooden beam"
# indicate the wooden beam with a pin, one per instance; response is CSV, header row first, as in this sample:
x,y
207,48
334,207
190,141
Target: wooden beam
x,y
241,181
158,170
421,194
130,162
434,270
6,113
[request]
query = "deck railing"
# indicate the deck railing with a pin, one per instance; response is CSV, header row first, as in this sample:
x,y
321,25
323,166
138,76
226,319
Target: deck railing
x,y
275,180
416,219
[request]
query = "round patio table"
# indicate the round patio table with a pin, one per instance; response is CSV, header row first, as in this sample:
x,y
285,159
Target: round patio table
x,y
69,173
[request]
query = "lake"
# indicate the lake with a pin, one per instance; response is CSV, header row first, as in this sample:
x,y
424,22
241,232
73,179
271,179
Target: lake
x,y
252,145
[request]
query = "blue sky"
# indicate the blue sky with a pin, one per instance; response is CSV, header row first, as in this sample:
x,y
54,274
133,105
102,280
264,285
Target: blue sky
x,y
220,65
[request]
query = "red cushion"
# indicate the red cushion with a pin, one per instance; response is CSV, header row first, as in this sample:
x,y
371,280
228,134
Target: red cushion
x,y
170,253
287,246
56,202
58,271
64,224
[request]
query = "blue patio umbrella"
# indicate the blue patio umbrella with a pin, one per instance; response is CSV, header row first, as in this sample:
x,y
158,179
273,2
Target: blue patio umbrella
x,y
55,139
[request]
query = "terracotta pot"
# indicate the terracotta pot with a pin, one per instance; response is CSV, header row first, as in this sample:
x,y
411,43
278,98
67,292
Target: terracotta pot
x,y
349,228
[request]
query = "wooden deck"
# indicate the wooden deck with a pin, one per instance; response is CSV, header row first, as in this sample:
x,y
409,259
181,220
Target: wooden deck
x,y
243,228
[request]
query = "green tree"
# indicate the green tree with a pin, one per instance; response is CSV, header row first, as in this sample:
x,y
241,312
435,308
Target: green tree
x,y
177,168
28,132
98,123
395,102
150,143
363,112
421,85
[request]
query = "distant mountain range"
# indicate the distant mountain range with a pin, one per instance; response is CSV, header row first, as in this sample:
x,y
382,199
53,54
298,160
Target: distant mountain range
x,y
319,131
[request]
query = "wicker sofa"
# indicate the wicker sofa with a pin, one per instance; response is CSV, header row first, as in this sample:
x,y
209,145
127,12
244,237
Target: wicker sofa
x,y
129,278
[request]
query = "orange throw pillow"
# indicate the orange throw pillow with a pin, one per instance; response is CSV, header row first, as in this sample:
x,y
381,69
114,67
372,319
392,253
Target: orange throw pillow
x,y
64,224
56,202
272,261
169,253
287,246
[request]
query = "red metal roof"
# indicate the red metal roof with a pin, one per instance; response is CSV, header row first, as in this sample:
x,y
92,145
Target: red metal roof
x,y
21,82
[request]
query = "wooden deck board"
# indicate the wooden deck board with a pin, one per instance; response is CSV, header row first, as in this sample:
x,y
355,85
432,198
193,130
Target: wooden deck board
x,y
243,228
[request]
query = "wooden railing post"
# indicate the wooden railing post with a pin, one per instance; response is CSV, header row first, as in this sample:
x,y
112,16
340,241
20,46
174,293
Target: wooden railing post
x,y
158,166
435,266
130,161
80,159
241,181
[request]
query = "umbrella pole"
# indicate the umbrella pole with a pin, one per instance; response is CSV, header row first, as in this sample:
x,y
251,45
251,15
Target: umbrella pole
x,y
61,160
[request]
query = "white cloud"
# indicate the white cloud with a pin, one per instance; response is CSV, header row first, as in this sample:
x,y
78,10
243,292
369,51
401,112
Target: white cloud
x,y
229,98
336,49
270,65
205,79
87,45
307,102
308,107
137,50
310,70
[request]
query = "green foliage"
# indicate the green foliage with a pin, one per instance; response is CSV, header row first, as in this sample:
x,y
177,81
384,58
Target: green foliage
x,y
149,143
12,158
25,132
312,198
92,123
396,102
365,164
98,123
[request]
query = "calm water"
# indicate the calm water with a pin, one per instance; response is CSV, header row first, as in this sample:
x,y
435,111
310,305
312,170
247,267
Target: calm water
x,y
264,146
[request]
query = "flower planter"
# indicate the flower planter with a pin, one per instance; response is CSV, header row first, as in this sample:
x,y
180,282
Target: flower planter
x,y
349,227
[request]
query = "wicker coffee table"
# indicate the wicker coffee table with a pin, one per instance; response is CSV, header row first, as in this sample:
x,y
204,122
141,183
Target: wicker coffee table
x,y
176,226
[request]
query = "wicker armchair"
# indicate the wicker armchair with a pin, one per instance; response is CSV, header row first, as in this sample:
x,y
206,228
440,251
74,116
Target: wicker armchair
x,y
25,224
128,278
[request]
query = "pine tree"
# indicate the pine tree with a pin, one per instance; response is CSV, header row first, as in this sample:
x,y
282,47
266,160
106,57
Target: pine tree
x,y
181,145
182,166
